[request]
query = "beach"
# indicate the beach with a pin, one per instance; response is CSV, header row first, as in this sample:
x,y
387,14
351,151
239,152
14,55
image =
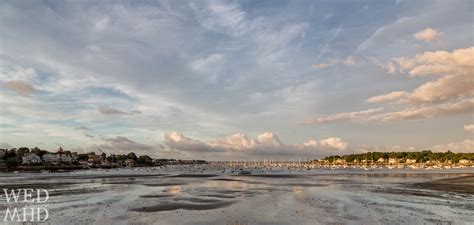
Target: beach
x,y
164,196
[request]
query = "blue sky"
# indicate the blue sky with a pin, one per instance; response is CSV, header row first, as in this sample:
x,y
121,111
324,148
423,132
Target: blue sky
x,y
237,79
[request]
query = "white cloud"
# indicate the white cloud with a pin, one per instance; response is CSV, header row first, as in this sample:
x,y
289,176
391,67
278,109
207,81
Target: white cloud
x,y
454,70
387,97
9,73
124,145
389,148
234,142
178,141
458,61
341,117
441,90
469,127
209,66
269,140
419,112
450,94
333,143
429,34
332,62
220,17
462,146
107,110
265,143
432,111
101,23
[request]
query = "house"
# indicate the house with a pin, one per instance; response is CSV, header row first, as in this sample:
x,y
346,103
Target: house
x,y
51,158
31,158
93,159
67,158
464,161
130,163
381,160
393,160
59,157
84,164
409,161
105,163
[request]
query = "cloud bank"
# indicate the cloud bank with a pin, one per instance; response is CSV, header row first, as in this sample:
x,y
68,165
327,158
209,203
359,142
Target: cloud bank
x,y
264,144
450,93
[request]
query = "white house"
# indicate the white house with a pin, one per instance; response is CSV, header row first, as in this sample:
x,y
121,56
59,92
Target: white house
x,y
393,160
130,163
31,158
51,158
67,158
56,158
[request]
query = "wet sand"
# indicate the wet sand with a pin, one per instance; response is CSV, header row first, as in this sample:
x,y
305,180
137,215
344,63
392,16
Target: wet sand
x,y
276,197
464,185
168,206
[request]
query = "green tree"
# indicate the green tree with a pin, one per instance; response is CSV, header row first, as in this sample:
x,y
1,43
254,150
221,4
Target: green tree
x,y
132,155
82,157
145,160
121,158
22,151
112,158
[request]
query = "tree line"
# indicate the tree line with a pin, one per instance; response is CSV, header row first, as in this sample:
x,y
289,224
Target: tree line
x,y
420,157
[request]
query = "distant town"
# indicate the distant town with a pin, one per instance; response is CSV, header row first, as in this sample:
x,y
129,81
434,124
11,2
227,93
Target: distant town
x,y
35,159
414,160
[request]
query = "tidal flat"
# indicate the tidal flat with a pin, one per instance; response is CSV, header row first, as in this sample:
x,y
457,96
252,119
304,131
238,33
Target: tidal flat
x,y
318,196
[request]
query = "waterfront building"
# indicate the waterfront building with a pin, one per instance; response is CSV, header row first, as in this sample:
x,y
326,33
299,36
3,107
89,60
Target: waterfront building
x,y
59,157
393,160
130,163
93,159
51,158
31,158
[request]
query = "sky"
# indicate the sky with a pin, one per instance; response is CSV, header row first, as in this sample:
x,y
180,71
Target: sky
x,y
237,79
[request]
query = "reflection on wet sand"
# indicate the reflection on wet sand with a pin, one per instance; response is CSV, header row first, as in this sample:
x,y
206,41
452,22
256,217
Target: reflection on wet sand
x,y
464,185
168,206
